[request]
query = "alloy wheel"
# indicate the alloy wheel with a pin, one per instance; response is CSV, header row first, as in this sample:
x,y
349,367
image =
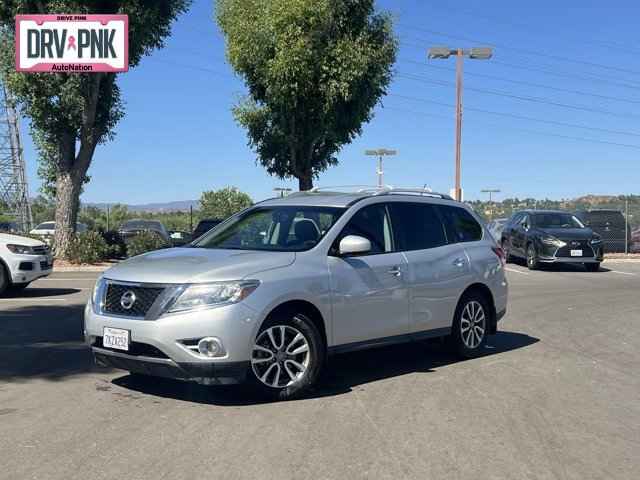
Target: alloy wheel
x,y
280,356
472,324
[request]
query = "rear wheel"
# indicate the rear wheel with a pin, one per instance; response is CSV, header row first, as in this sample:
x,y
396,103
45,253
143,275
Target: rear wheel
x,y
470,325
532,258
592,267
507,256
287,356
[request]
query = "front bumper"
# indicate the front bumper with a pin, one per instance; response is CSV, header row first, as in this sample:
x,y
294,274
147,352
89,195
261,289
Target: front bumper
x,y
219,373
156,348
552,254
41,266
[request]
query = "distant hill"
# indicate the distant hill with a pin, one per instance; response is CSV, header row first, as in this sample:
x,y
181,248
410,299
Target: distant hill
x,y
178,206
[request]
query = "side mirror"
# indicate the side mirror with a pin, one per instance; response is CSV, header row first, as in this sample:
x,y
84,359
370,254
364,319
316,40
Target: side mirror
x,y
353,245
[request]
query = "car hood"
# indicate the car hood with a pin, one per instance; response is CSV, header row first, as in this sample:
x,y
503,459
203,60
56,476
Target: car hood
x,y
17,239
197,265
569,233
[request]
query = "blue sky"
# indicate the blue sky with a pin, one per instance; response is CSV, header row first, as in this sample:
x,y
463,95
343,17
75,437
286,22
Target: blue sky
x,y
178,137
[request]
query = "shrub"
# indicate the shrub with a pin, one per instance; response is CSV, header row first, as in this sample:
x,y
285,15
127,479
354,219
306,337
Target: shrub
x,y
88,247
116,242
145,242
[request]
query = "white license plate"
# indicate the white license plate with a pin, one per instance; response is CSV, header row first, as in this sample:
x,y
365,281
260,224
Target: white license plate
x,y
115,338
576,253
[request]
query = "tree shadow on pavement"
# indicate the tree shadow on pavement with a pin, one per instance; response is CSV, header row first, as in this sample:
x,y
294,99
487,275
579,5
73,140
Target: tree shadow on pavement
x,y
43,341
342,373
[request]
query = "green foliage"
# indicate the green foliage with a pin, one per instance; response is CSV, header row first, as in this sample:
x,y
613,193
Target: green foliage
x,y
88,247
223,203
315,69
144,242
43,209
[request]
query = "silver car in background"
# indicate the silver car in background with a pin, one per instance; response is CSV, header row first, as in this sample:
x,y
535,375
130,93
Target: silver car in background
x,y
268,294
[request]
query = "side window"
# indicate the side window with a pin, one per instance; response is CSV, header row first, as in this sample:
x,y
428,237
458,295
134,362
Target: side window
x,y
372,223
417,226
460,225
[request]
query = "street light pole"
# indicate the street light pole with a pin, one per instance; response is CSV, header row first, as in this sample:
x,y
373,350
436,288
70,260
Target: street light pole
x,y
490,191
483,53
381,152
283,191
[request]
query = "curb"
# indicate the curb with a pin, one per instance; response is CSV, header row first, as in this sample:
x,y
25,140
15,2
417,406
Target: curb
x,y
621,260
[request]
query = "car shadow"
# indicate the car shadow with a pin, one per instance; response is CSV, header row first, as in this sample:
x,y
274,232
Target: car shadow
x,y
341,375
38,292
559,267
43,341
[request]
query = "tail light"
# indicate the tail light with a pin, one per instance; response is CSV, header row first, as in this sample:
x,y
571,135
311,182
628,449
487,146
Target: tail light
x,y
500,254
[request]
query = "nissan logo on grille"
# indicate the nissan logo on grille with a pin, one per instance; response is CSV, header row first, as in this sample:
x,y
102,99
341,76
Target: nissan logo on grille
x,y
127,300
575,244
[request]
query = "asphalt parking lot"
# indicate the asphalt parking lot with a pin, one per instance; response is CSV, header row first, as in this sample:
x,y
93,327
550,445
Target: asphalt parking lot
x,y
557,396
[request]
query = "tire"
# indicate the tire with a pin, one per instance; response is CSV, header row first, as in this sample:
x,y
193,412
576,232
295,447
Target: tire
x,y
592,267
472,312
18,287
532,258
287,356
4,279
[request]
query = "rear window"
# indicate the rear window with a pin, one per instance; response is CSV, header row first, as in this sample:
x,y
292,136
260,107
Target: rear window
x,y
417,226
460,225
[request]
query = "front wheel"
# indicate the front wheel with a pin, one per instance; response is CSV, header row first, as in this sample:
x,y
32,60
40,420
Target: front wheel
x,y
532,258
592,267
470,325
287,356
4,279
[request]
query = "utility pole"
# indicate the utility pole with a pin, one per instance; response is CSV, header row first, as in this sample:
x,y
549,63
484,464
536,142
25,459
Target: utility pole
x,y
14,191
483,53
626,225
490,191
381,152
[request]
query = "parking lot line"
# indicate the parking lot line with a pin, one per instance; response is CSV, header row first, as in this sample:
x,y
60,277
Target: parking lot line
x,y
515,271
622,273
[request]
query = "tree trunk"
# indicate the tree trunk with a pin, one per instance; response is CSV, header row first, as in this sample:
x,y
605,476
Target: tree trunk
x,y
305,180
68,188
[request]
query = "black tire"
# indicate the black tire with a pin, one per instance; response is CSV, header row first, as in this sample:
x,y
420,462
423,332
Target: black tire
x,y
293,323
592,267
18,287
532,258
460,335
4,279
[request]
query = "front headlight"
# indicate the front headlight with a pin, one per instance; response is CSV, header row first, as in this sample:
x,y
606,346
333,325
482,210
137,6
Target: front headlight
x,y
596,240
97,295
20,249
553,241
207,295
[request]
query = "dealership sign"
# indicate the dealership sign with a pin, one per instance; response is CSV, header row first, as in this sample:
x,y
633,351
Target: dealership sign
x,y
72,43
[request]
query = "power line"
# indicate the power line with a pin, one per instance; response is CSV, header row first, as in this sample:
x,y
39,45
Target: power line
x,y
541,100
520,117
520,26
535,132
530,84
523,50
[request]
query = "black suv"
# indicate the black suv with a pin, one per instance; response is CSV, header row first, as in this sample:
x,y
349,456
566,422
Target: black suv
x,y
609,224
549,236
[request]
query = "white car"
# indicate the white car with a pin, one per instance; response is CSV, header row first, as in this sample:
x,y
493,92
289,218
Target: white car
x,y
48,229
22,260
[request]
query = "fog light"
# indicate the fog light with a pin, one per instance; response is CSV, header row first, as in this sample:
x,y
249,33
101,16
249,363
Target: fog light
x,y
210,347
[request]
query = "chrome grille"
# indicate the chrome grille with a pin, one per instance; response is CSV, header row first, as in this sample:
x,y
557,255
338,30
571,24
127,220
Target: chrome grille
x,y
41,250
144,298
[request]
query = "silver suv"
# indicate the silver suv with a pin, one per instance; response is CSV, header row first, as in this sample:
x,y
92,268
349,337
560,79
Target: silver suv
x,y
268,294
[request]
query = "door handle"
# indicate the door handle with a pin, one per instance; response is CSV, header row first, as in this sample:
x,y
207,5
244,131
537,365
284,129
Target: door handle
x,y
459,262
395,271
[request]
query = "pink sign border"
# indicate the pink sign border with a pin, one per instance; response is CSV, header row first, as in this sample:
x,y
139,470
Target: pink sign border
x,y
47,67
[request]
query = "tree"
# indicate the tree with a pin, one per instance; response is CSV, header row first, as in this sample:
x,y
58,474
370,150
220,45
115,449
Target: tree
x,y
223,203
314,70
72,113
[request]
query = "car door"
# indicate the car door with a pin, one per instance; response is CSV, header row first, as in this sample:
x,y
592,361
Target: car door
x,y
369,292
437,269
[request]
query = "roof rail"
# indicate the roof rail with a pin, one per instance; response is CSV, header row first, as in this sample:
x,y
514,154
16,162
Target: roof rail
x,y
376,190
348,188
415,191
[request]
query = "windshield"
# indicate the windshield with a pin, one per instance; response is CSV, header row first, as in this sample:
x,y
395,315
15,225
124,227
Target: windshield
x,y
46,226
282,229
556,220
140,225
